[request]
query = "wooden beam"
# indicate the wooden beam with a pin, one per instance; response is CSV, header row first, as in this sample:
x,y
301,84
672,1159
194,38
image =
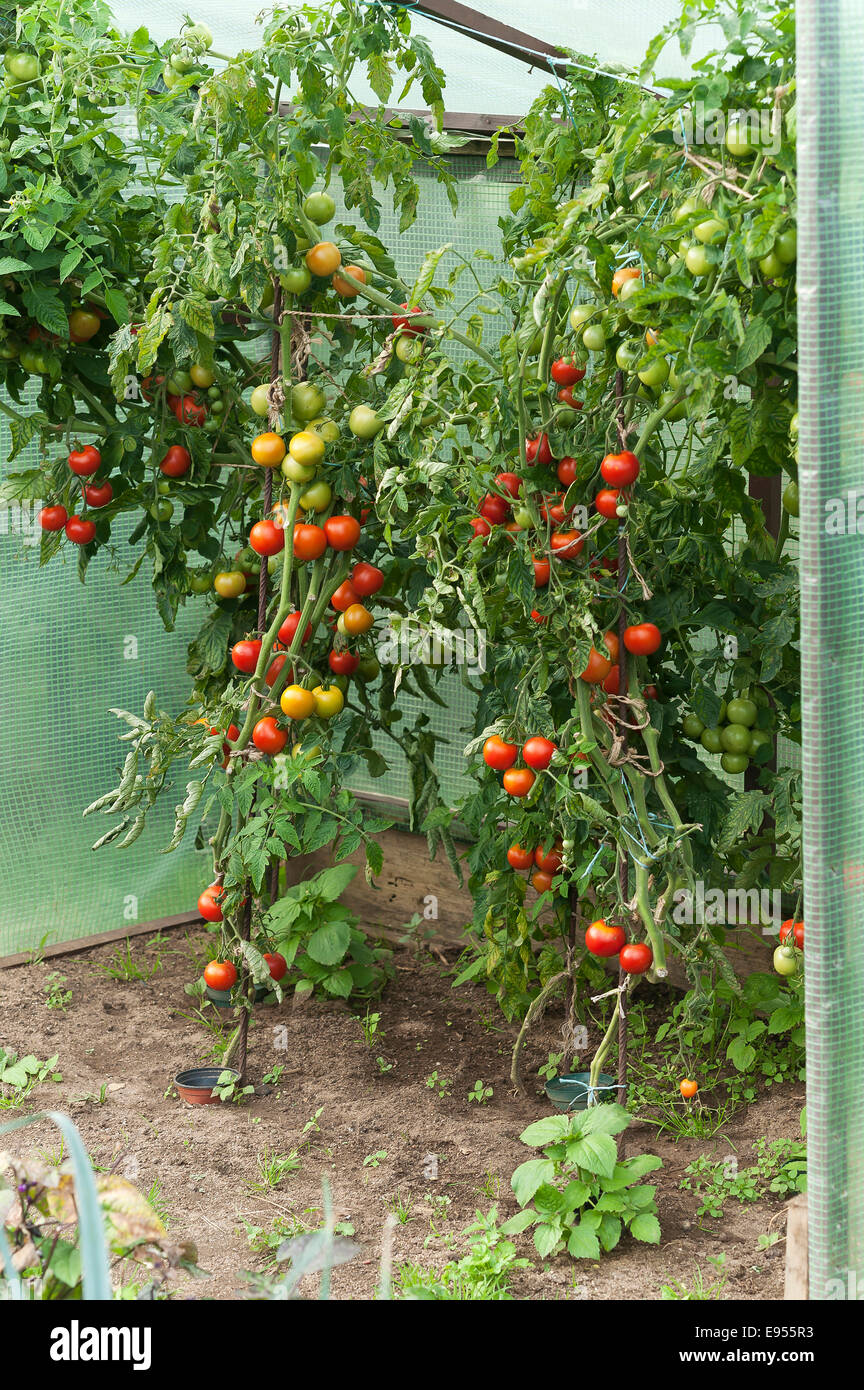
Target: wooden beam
x,y
533,52
797,1281
85,943
469,122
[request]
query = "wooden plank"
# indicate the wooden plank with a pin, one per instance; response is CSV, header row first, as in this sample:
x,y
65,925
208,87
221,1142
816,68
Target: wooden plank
x,y
534,52
797,1280
84,943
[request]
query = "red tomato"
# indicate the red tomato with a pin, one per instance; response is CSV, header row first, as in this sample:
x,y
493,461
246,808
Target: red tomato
x,y
566,397
274,670
79,531
509,482
219,974
612,681
278,964
344,597
343,663
601,939
549,861
542,570
266,538
494,509
541,882
599,666
189,412
795,930
650,692
498,754
245,655
537,752
519,858
53,518
643,639
176,462
268,736
518,781
538,617
566,544
289,627
606,502
537,449
565,371
480,527
208,906
636,958
620,470
98,494
85,461
310,542
366,579
342,532
403,321
567,470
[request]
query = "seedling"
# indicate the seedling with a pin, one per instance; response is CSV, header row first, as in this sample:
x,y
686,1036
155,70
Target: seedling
x,y
56,996
480,1092
440,1084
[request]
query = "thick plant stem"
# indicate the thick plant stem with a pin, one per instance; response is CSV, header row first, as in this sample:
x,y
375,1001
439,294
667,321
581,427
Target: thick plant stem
x,y
605,1044
534,1014
623,866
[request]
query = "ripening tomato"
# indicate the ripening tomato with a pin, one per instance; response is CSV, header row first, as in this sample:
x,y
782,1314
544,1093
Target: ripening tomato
x,y
537,449
268,736
566,372
329,701
277,964
176,462
310,542
785,961
518,781
98,494
509,482
567,471
79,530
343,663
208,906
297,702
344,597
603,939
499,754
688,1088
356,619
480,527
606,502
519,858
642,639
366,579
599,666
537,752
266,538
550,860
402,322
307,450
494,509
566,545
541,882
636,958
219,974
230,583
620,470
795,930
342,532
268,449
542,570
289,627
624,272
85,461
566,397
245,655
188,411
53,518
83,325
323,259
344,284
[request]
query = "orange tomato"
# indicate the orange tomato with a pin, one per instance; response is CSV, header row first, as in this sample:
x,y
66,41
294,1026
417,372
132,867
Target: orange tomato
x,y
268,449
357,619
345,286
688,1088
599,666
624,272
324,258
297,702
518,781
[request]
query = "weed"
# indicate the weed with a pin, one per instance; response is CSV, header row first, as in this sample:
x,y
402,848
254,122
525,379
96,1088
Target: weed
x,y
374,1160
21,1075
480,1092
440,1084
400,1207
56,996
272,1168
702,1289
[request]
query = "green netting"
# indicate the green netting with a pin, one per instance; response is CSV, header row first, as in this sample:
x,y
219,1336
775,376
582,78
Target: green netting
x,y
831,220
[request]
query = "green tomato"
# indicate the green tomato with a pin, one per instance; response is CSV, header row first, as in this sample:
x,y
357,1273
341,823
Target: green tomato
x,y
712,231
408,349
581,314
217,407
178,383
655,373
298,472
692,726
711,741
771,266
180,63
319,208
307,401
199,34
758,737
791,500
793,425
594,338
163,487
735,738
296,280
327,430
742,712
522,517
368,670
785,961
24,67
317,497
628,354
696,261
686,209
200,581
786,246
170,78
10,348
214,393
162,511
259,400
364,422
34,361
678,412
735,763
738,139
629,288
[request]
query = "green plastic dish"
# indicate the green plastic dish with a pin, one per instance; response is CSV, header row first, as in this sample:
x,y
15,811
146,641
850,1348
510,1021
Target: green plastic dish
x,y
570,1091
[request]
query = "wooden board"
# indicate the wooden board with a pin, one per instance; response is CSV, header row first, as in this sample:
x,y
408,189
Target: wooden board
x,y
797,1282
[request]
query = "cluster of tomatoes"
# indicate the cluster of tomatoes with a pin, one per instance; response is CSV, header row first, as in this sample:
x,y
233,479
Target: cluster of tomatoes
x,y
735,735
80,530
221,975
787,956
537,754
605,939
546,862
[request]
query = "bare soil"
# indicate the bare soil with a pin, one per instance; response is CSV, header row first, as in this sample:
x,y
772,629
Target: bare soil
x,y
131,1037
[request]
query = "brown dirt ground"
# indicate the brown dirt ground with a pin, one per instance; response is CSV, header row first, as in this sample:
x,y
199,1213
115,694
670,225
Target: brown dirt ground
x,y
132,1037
